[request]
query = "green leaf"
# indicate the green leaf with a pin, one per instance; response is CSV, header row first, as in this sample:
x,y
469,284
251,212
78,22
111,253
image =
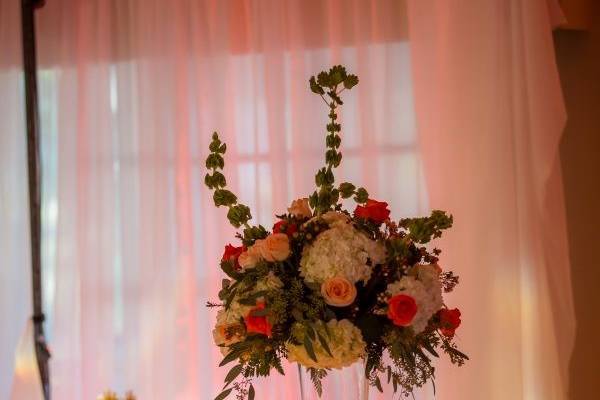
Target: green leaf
x,y
232,355
314,86
309,348
223,394
223,197
214,145
346,189
208,181
227,267
310,332
323,79
361,195
215,160
232,374
239,215
427,346
251,299
324,344
218,179
350,81
251,393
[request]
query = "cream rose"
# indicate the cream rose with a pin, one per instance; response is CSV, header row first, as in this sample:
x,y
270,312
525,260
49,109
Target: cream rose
x,y
228,334
275,247
250,257
338,291
300,208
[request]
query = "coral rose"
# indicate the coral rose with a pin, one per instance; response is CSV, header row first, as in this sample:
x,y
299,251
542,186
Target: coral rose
x,y
449,321
300,208
250,257
232,253
402,309
373,210
275,247
338,292
286,227
258,323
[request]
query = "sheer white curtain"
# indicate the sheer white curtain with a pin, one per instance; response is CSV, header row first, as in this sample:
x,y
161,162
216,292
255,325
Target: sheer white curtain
x,y
490,115
131,92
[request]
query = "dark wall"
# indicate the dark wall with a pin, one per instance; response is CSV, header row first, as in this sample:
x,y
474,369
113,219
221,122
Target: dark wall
x,y
578,58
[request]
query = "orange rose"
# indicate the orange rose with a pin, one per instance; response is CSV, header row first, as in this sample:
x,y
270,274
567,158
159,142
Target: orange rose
x,y
250,257
275,247
300,208
338,292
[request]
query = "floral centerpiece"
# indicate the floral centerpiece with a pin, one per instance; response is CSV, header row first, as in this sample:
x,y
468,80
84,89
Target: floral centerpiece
x,y
326,287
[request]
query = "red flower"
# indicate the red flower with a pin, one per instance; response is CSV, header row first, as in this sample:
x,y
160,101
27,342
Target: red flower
x,y
449,321
286,227
374,210
401,309
232,253
256,323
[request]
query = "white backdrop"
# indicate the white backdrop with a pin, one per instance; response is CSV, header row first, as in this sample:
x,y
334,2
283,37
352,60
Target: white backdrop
x,y
132,90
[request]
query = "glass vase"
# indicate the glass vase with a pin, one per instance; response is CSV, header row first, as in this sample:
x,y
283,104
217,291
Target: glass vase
x,y
348,383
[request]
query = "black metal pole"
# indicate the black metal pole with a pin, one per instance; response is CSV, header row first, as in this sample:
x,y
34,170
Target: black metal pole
x,y
35,195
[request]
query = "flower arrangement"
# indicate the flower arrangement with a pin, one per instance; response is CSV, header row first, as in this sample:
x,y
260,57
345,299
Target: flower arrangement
x,y
110,395
327,287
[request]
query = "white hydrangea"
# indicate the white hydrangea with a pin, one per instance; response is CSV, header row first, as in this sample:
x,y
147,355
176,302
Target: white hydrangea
x,y
236,311
269,282
426,289
345,342
335,217
342,250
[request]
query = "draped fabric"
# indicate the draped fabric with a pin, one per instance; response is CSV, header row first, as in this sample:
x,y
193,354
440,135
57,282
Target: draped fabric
x,y
130,95
490,115
131,92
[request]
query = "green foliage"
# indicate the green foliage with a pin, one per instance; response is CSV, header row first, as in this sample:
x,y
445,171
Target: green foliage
x,y
316,376
329,85
424,229
238,214
232,374
223,394
252,234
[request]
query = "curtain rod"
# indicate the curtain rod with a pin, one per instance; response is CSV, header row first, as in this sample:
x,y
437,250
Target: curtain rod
x,y
34,174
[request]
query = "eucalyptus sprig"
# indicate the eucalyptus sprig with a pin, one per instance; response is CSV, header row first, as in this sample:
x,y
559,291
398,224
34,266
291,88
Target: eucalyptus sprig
x,y
329,85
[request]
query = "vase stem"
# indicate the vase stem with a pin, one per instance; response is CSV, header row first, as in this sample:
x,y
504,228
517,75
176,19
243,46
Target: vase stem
x,y
348,383
302,384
